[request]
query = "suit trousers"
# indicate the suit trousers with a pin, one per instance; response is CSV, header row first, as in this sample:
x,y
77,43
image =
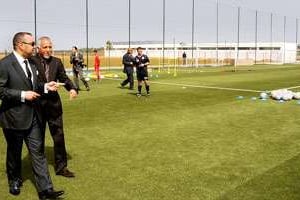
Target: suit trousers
x,y
34,140
130,79
57,134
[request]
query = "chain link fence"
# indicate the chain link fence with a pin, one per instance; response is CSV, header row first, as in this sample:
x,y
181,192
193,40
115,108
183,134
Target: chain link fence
x,y
209,33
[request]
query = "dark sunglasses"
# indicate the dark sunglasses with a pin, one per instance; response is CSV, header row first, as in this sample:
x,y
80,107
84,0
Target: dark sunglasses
x,y
29,43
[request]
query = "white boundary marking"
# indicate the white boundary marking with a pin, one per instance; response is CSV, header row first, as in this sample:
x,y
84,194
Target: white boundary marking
x,y
295,87
199,86
208,87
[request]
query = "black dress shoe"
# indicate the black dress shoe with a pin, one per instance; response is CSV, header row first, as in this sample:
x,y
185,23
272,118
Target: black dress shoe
x,y
66,173
50,194
14,187
20,182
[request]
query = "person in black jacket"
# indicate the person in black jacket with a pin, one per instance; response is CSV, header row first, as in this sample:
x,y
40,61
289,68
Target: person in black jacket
x,y
141,62
21,118
128,62
51,68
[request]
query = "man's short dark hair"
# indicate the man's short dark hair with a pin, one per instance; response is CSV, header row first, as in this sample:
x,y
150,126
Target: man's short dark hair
x,y
75,47
139,48
95,50
18,37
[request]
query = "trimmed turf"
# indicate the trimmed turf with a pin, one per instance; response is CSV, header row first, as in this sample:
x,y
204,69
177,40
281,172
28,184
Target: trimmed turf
x,y
180,143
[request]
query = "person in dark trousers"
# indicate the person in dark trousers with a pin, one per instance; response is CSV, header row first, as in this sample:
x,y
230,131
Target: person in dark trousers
x,y
76,59
141,62
184,58
21,117
51,68
128,62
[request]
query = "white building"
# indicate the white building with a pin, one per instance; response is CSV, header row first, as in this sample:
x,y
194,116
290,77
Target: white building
x,y
208,53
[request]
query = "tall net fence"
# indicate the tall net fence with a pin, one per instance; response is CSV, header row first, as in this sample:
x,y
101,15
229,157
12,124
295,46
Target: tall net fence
x,y
173,32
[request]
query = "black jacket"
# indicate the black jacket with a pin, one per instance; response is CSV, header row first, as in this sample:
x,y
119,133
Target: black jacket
x,y
15,114
128,60
51,102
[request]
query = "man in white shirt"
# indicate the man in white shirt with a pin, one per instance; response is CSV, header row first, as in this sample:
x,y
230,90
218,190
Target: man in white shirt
x,y
20,116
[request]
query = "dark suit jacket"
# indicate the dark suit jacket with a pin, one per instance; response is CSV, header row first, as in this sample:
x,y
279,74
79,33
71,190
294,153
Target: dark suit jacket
x,y
15,114
51,102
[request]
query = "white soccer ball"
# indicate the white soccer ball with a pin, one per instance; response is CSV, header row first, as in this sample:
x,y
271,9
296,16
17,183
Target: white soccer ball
x,y
297,95
263,95
87,79
277,94
286,95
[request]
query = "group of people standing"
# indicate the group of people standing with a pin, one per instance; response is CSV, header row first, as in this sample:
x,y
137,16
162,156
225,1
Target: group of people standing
x,y
29,101
140,62
29,96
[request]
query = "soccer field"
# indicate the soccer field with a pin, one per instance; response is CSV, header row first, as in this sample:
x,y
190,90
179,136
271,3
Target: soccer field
x,y
193,139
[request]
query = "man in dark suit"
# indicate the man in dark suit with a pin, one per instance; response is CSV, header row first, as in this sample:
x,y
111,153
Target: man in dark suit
x,y
51,68
20,116
128,62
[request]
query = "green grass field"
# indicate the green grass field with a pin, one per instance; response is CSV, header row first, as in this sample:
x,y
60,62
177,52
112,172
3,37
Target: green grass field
x,y
182,143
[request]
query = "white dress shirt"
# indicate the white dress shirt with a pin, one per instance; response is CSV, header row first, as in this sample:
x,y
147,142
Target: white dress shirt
x,y
23,65
21,62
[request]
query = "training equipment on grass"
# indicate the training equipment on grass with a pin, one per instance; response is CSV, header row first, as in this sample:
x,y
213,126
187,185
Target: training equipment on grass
x,y
297,95
284,95
264,95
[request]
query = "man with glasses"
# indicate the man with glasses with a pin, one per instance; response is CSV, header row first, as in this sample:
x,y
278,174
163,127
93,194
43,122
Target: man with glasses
x,y
20,116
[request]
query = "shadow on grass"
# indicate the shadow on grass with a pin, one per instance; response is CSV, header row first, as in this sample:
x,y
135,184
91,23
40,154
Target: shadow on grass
x,y
132,93
27,173
281,182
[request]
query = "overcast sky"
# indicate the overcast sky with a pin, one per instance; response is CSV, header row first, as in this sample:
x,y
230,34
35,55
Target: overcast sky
x,y
64,20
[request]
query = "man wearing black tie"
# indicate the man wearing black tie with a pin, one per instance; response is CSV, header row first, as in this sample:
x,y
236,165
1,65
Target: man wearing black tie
x,y
20,116
51,68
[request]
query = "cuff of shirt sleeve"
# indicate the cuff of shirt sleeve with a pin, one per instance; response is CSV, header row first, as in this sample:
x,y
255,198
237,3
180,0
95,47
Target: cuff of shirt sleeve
x,y
23,98
45,88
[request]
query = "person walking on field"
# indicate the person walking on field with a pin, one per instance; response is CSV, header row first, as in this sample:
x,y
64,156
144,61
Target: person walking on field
x,y
76,58
184,58
21,117
128,62
51,68
141,62
97,63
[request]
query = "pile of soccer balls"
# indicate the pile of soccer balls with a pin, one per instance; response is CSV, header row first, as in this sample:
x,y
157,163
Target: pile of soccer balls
x,y
281,95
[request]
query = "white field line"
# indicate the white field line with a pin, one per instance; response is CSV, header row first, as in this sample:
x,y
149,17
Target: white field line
x,y
199,86
207,87
295,87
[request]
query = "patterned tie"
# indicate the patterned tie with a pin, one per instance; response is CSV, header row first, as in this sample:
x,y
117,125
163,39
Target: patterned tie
x,y
29,75
46,67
